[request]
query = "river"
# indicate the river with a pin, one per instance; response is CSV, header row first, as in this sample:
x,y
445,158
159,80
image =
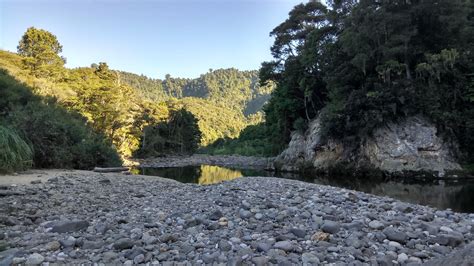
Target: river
x,y
457,195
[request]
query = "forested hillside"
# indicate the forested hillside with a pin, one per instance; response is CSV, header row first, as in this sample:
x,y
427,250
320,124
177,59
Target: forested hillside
x,y
119,106
232,88
362,64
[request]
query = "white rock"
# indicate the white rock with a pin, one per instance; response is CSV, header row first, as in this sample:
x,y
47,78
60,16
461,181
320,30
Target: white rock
x,y
34,259
402,257
446,229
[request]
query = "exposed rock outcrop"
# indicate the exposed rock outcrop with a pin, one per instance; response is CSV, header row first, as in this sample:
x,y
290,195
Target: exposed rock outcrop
x,y
411,145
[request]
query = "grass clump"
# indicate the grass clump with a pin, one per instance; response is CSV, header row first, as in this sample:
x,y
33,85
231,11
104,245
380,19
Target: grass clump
x,y
15,153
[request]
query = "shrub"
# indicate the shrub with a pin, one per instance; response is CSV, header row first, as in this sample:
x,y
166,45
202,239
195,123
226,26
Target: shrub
x,y
15,153
61,139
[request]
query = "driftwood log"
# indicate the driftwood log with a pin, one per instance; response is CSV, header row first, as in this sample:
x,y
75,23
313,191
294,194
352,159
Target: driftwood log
x,y
110,169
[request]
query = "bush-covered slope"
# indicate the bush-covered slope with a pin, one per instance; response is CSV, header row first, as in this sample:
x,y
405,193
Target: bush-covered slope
x,y
58,138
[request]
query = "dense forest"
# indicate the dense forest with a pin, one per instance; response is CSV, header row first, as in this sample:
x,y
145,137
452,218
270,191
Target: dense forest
x,y
361,64
357,65
87,116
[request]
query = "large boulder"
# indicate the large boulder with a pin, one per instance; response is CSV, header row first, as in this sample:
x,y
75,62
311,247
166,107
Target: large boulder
x,y
410,145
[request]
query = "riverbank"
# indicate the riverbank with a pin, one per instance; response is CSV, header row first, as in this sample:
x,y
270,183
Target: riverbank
x,y
237,161
86,217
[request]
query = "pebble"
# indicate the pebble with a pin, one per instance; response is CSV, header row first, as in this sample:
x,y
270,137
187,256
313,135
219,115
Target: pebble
x,y
330,227
34,259
376,225
310,259
69,226
123,243
53,245
252,220
395,235
284,245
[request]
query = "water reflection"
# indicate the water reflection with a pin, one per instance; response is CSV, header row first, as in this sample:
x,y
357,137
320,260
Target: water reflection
x,y
203,175
457,194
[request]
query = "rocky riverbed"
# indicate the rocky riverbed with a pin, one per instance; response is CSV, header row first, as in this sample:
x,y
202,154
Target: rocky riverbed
x,y
85,217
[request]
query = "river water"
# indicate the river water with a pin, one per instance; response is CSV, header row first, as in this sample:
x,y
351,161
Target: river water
x,y
457,195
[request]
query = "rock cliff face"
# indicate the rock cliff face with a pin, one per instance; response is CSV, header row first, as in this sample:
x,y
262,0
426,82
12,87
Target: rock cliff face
x,y
411,145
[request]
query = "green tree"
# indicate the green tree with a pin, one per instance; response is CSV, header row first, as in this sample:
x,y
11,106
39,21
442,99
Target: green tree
x,y
41,49
180,134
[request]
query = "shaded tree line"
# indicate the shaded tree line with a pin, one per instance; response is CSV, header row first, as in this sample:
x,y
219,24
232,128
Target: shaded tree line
x,y
362,64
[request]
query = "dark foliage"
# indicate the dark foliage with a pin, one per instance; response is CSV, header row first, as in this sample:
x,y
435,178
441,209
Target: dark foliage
x,y
179,135
362,64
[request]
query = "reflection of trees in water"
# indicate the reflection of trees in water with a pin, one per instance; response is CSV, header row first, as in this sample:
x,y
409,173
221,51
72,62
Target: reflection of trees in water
x,y
464,199
188,174
458,196
439,196
215,174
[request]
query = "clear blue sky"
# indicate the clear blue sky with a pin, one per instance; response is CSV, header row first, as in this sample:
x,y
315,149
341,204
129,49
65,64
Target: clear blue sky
x,y
153,37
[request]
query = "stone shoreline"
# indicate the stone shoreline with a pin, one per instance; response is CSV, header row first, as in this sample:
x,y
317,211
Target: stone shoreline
x,y
237,161
86,217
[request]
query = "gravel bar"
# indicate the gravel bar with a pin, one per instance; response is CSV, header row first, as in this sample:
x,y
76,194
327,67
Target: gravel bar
x,y
92,218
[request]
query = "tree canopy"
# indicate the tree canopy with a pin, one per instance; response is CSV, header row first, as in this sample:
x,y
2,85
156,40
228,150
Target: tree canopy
x,y
362,64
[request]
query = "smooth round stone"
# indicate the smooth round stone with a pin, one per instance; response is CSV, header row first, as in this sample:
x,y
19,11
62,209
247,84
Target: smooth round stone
x,y
244,214
310,259
330,227
376,225
284,245
395,244
401,258
34,259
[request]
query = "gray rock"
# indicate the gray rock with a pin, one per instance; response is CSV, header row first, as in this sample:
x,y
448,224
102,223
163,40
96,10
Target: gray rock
x,y
402,257
68,242
453,239
109,256
101,228
9,221
7,256
462,257
69,226
216,215
376,225
330,227
224,245
139,259
260,261
263,247
395,235
208,258
91,244
17,261
244,214
284,245
123,243
300,233
34,259
310,259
